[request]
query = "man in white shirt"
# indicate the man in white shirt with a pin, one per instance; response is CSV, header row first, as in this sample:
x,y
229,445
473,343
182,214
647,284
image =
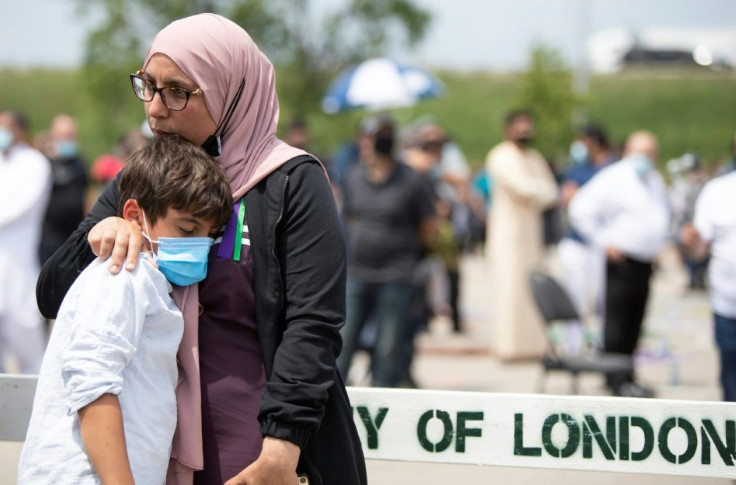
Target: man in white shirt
x,y
714,230
623,211
25,184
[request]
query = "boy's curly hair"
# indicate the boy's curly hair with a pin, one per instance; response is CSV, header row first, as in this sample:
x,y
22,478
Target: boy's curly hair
x,y
170,172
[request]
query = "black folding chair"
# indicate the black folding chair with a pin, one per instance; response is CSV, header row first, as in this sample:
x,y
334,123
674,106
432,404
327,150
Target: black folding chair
x,y
555,306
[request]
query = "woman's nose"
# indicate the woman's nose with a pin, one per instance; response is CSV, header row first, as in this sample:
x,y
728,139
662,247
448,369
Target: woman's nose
x,y
157,108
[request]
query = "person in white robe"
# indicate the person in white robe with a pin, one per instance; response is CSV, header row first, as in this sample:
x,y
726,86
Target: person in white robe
x,y
523,187
25,185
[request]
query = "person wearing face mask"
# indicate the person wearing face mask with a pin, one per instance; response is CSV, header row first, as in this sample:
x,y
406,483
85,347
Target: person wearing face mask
x,y
523,187
25,182
66,205
581,264
105,406
623,212
389,216
260,399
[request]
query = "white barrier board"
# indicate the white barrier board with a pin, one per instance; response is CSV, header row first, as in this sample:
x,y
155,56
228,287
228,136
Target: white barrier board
x,y
520,430
16,402
565,432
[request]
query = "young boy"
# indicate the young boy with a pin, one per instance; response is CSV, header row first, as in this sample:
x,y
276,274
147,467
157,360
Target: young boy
x,y
105,409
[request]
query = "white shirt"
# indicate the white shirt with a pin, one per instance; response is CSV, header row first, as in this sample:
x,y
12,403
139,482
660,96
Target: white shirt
x,y
115,334
715,220
25,185
619,208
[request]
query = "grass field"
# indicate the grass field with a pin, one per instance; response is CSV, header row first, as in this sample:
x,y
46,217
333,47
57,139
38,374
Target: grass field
x,y
688,110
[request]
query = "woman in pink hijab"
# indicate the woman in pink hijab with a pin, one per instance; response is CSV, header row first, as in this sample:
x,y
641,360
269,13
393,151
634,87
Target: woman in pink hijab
x,y
259,398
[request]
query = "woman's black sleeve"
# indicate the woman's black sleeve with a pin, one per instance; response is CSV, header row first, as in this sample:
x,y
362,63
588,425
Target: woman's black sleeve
x,y
62,268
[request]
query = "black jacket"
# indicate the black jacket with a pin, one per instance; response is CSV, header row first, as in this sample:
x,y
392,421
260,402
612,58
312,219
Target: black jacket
x,y
299,281
65,209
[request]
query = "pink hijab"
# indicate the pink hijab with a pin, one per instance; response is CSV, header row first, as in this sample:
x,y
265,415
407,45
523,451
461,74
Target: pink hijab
x,y
217,54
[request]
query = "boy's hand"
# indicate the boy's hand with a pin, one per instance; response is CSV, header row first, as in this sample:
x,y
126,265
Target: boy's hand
x,y
117,239
276,465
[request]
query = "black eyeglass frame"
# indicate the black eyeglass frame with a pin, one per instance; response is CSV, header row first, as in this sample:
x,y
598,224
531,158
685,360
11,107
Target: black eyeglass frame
x,y
160,91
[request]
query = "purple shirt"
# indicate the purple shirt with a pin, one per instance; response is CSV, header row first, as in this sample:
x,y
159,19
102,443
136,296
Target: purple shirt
x,y
231,363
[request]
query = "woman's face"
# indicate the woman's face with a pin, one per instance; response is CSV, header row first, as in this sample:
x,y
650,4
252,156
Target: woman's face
x,y
194,122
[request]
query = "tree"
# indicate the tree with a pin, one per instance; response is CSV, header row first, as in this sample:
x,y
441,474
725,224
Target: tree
x,y
307,53
546,89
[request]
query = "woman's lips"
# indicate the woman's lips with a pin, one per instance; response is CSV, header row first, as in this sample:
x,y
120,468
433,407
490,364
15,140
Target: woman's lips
x,y
161,133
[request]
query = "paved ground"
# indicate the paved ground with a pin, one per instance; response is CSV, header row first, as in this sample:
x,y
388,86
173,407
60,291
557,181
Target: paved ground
x,y
678,360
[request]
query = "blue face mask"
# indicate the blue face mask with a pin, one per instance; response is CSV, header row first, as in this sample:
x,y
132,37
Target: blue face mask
x,y
67,149
6,139
182,260
642,164
578,153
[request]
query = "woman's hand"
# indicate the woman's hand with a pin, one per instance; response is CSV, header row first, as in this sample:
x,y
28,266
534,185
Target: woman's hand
x,y
117,239
276,465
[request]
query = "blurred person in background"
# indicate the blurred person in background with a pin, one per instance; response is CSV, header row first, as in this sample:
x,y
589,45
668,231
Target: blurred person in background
x,y
297,133
713,231
442,163
107,166
688,180
25,184
346,156
389,217
623,211
582,264
66,204
523,187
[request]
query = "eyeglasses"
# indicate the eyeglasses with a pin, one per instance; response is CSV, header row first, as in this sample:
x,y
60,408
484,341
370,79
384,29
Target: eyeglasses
x,y
174,98
432,145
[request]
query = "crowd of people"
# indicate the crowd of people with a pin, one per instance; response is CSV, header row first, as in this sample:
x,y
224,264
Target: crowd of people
x,y
238,268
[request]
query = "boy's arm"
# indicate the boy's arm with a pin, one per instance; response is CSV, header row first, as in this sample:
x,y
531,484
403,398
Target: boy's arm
x,y
103,437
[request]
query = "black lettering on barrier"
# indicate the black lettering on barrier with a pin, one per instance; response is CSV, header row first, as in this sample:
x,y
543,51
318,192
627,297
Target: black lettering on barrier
x,y
623,438
372,426
646,428
519,448
462,431
692,440
446,440
573,435
727,451
591,430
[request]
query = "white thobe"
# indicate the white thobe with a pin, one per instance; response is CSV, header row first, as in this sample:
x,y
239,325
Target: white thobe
x,y
25,185
523,186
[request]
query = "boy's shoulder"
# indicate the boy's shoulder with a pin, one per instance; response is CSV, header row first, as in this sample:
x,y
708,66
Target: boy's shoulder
x,y
143,272
96,282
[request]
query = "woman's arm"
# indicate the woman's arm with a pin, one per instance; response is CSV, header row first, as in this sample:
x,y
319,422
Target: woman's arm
x,y
102,233
103,437
312,258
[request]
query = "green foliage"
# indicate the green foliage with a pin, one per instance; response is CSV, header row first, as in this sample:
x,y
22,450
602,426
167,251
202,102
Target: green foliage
x,y
546,89
308,54
687,110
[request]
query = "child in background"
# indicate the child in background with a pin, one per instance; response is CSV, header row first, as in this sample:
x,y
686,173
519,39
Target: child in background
x,y
105,406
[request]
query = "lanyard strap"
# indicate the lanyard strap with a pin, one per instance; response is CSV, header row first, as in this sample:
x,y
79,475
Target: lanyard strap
x,y
239,231
232,239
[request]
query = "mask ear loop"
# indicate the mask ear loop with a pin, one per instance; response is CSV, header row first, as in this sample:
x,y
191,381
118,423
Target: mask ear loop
x,y
147,235
213,144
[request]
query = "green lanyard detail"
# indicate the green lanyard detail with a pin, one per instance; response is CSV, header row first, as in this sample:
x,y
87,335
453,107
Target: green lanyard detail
x,y
239,231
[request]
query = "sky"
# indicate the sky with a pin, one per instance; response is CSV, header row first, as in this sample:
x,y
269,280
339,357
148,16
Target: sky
x,y
464,35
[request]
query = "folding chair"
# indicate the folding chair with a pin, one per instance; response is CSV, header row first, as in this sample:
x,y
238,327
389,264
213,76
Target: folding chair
x,y
555,306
